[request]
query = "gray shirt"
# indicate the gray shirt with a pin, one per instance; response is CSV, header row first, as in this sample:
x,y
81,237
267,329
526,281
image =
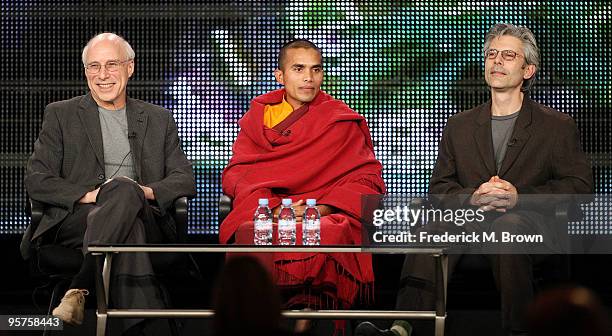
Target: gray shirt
x,y
117,153
501,131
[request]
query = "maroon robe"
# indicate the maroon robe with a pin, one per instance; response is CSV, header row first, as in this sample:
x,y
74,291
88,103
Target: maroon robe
x,y
324,152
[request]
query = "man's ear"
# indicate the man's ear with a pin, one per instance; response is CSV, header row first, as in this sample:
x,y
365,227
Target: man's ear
x,y
130,68
278,74
529,71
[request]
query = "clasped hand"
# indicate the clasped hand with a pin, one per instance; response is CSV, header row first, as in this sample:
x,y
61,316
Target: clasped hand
x,y
496,194
91,196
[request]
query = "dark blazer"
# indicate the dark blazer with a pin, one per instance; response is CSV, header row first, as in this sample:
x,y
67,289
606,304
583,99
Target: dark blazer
x,y
68,157
543,156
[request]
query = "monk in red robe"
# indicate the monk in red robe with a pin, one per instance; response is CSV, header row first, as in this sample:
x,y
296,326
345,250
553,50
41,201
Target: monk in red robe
x,y
299,142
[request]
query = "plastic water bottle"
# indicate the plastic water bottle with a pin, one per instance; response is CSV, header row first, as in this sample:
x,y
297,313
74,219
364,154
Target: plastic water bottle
x,y
311,224
262,224
286,223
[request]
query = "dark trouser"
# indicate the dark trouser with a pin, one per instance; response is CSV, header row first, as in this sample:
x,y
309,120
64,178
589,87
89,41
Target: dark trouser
x,y
121,214
513,273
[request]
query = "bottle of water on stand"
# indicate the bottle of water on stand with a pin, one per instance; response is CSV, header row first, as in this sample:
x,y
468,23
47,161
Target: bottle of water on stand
x,y
262,224
311,224
286,223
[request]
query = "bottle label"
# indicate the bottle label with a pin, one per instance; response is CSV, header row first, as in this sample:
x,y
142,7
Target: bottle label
x,y
286,224
263,224
312,224
261,217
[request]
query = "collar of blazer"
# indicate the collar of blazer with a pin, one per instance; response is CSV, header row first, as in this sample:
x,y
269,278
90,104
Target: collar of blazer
x,y
518,139
137,124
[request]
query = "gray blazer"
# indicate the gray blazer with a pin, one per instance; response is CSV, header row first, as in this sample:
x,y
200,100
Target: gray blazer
x,y
68,158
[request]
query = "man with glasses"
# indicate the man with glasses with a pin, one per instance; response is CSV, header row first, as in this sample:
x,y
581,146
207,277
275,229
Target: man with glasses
x,y
108,167
489,158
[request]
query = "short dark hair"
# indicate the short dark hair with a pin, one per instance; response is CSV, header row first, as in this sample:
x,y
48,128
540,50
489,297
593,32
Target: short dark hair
x,y
295,44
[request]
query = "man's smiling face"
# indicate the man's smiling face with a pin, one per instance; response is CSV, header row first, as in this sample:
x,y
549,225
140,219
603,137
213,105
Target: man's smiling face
x,y
108,88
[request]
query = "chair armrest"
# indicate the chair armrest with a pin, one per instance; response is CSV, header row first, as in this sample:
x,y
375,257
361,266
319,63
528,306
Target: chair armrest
x,y
179,214
35,209
225,207
562,212
181,205
568,211
420,202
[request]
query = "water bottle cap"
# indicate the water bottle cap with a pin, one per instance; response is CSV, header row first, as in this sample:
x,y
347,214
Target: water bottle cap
x,y
263,202
311,202
287,202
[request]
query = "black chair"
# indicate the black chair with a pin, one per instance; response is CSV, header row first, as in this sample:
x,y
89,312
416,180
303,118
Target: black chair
x,y
57,265
225,207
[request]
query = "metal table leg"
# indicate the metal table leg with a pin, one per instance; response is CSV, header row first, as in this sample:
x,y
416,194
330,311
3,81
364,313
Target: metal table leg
x,y
106,271
441,281
102,287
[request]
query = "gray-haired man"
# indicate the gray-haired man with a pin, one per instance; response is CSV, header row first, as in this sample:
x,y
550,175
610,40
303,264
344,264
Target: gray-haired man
x,y
108,167
494,154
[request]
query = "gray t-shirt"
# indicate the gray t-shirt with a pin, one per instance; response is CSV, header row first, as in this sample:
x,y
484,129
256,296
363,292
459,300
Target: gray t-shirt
x,y
117,153
501,131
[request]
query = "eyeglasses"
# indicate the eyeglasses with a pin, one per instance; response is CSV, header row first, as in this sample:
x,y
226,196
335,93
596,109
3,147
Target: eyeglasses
x,y
507,55
110,66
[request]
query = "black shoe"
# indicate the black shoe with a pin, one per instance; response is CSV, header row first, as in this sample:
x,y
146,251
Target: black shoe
x,y
369,329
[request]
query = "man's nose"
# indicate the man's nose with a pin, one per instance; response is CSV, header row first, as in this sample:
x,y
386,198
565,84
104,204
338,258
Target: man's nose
x,y
498,59
103,73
